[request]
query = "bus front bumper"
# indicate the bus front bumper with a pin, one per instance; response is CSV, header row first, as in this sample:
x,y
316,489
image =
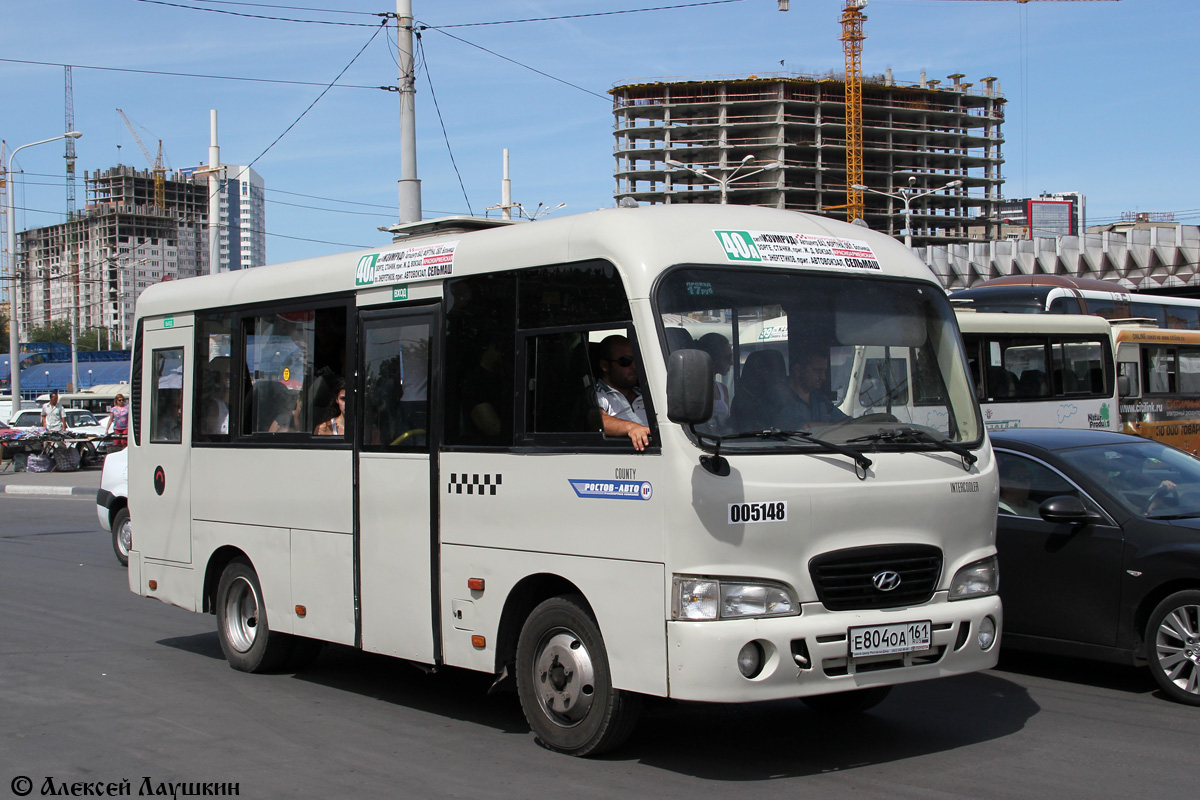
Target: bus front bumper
x,y
809,654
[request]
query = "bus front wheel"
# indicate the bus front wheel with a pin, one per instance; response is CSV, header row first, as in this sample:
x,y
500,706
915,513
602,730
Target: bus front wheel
x,y
246,638
564,683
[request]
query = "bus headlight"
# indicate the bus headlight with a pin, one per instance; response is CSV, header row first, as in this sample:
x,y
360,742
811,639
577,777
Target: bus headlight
x,y
976,580
709,598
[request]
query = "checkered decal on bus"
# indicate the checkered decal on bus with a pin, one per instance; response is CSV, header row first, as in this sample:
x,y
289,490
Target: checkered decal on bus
x,y
473,484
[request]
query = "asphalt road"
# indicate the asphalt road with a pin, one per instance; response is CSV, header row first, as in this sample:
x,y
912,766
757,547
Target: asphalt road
x,y
99,686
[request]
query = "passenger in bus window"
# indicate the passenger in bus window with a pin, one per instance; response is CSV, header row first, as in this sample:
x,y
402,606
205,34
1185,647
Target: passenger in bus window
x,y
806,385
486,397
214,415
623,411
171,418
719,350
289,419
336,424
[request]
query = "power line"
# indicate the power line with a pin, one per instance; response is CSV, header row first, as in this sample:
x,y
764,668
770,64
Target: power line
x,y
259,16
289,8
583,16
442,122
378,28
423,27
188,74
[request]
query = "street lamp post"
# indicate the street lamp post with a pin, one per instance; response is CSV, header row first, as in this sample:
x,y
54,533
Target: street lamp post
x,y
14,306
907,195
734,175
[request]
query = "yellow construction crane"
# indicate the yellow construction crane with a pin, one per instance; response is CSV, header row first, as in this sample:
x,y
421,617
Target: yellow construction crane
x,y
160,172
852,43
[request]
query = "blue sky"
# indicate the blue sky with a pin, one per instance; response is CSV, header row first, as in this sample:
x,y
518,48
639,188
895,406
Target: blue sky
x,y
1101,94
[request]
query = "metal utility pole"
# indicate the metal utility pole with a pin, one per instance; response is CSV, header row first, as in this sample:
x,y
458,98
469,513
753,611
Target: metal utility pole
x,y
214,196
409,186
14,327
72,247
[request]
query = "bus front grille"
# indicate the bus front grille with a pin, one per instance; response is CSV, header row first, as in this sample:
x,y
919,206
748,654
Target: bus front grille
x,y
854,579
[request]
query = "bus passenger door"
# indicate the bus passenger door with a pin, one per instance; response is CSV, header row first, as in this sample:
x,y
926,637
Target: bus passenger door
x,y
396,540
160,489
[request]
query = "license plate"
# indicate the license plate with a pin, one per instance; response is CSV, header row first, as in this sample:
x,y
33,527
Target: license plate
x,y
881,640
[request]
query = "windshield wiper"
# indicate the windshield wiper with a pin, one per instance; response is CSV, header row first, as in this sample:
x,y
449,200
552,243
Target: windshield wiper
x,y
907,434
1190,515
860,459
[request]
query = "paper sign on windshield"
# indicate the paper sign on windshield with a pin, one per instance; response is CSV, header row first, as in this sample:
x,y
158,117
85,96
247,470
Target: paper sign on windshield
x,y
796,249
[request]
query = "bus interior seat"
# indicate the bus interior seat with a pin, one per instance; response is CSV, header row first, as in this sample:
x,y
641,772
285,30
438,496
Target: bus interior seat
x,y
763,372
679,339
271,399
1033,384
1001,383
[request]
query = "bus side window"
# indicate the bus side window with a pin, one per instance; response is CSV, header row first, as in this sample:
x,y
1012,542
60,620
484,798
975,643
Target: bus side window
x,y
396,355
480,368
1127,379
215,337
562,388
166,396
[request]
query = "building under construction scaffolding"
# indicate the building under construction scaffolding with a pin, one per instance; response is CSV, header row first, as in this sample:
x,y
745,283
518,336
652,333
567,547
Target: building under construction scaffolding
x,y
916,138
100,260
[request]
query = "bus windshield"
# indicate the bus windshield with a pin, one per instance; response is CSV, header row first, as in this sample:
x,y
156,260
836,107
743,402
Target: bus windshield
x,y
838,356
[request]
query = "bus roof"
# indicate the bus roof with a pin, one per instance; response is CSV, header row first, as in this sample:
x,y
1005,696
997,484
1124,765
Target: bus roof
x,y
639,241
998,322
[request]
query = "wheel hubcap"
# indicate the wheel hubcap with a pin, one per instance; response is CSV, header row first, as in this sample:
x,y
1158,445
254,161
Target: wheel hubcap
x,y
1177,645
125,537
241,615
563,677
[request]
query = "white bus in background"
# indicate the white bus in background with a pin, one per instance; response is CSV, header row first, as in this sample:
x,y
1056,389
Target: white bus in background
x,y
467,511
1043,370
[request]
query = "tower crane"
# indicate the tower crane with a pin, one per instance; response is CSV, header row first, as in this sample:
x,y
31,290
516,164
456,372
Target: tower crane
x,y
160,172
852,43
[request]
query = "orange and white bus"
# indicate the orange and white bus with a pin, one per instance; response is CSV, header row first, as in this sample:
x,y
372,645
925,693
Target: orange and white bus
x,y
1159,383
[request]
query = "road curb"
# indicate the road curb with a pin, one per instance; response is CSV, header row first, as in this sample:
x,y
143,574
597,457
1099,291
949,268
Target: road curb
x,y
48,490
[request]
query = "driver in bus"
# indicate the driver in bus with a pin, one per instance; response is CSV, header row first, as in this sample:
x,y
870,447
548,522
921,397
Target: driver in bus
x,y
807,401
623,411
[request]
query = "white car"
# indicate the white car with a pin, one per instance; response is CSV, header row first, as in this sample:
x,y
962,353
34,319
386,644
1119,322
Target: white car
x,y
112,503
80,422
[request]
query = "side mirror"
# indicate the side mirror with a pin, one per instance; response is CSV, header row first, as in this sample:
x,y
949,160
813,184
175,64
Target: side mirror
x,y
1123,386
689,387
1068,509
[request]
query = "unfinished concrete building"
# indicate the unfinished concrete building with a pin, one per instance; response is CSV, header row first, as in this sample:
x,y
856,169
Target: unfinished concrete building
x,y
103,258
916,138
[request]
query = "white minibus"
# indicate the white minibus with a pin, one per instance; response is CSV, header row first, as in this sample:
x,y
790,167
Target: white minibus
x,y
1042,370
403,450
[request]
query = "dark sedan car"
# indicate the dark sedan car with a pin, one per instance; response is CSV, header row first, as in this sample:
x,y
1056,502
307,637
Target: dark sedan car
x,y
1099,542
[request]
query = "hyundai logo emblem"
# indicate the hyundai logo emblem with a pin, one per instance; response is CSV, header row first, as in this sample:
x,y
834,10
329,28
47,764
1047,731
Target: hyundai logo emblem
x,y
886,581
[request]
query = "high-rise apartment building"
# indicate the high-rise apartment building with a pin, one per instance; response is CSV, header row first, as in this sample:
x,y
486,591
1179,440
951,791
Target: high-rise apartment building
x,y
916,139
242,232
100,260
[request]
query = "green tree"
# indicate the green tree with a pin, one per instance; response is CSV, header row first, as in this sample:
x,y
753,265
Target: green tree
x,y
58,330
94,339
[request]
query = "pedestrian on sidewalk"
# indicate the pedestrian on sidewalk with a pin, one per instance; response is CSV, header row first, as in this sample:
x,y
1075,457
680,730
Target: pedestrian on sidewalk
x,y
53,415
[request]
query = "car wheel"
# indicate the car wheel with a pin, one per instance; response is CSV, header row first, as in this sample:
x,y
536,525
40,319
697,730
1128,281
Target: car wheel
x,y
246,637
122,533
564,684
1173,646
855,701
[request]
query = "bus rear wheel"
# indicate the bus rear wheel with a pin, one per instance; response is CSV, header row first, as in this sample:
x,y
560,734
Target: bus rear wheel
x,y
122,535
246,637
564,683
